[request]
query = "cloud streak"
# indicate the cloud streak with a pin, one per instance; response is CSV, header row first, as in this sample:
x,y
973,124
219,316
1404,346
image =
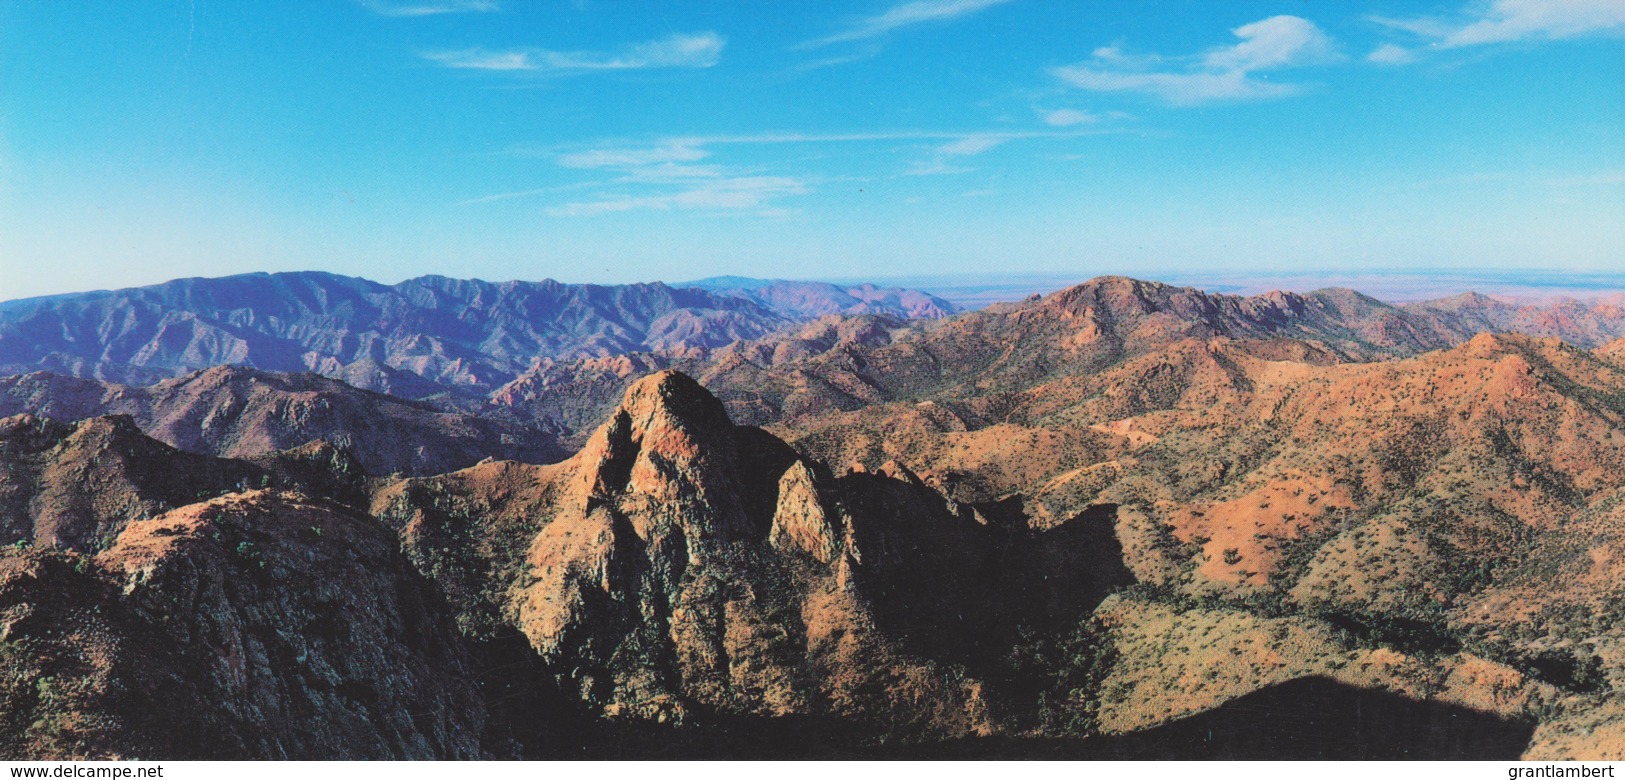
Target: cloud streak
x,y
945,156
1507,21
739,194
480,59
684,50
678,173
1067,117
1221,74
900,16
669,168
666,153
393,8
1391,54
691,148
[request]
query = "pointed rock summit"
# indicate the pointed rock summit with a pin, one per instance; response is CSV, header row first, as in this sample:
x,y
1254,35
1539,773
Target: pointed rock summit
x,y
694,566
668,455
642,587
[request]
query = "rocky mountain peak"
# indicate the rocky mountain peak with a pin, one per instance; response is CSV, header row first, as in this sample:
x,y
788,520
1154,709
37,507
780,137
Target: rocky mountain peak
x,y
692,565
672,398
651,523
1116,294
667,455
1471,300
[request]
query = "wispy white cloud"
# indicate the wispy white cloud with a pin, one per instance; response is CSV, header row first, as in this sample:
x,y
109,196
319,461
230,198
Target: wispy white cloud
x,y
1118,58
695,147
1221,74
1068,117
688,50
904,15
673,172
971,145
944,158
1507,21
1504,21
1179,88
1391,54
678,151
678,173
480,59
1072,117
841,59
531,193
427,7
754,194
1276,42
669,168
684,50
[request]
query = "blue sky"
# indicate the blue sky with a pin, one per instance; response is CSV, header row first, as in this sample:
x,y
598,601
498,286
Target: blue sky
x,y
868,138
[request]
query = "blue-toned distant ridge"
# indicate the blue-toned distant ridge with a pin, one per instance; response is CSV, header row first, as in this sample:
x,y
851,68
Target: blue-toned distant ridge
x,y
415,338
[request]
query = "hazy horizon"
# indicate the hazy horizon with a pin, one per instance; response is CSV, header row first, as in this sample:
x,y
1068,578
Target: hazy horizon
x,y
976,290
872,139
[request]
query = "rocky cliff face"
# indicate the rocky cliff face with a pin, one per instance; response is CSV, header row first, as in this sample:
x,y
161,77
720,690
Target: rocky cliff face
x,y
75,486
685,569
258,625
673,580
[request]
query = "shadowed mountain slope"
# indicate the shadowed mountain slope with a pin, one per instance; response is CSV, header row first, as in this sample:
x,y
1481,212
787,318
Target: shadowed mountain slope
x,y
1309,719
237,412
304,635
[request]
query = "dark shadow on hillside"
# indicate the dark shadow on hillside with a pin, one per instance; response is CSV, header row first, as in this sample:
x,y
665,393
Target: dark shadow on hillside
x,y
1058,576
798,738
1306,719
959,592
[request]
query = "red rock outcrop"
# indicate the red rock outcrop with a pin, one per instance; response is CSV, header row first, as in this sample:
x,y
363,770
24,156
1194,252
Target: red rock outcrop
x,y
682,568
256,625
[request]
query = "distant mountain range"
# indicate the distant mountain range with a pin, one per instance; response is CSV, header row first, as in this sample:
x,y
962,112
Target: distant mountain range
x,y
434,335
805,300
412,339
856,363
234,411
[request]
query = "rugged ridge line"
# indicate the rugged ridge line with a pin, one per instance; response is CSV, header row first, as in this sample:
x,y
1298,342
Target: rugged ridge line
x,y
417,338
